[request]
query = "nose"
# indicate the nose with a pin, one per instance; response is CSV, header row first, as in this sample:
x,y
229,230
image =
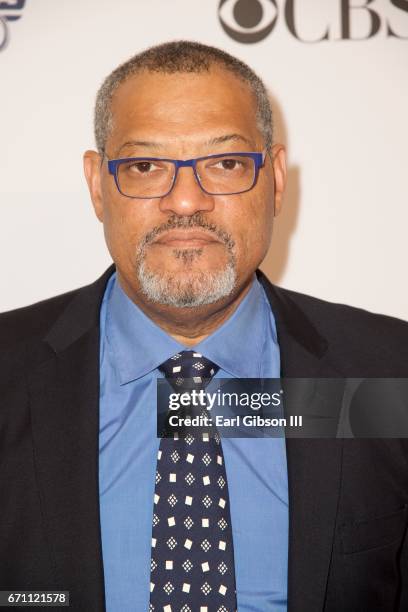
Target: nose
x,y
186,198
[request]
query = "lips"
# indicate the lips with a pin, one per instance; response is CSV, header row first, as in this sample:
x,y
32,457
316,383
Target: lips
x,y
176,238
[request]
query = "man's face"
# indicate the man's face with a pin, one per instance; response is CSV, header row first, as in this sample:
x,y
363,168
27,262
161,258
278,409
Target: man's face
x,y
187,248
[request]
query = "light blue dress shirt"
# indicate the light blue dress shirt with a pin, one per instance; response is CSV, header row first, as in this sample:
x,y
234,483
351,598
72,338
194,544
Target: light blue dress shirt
x,y
132,347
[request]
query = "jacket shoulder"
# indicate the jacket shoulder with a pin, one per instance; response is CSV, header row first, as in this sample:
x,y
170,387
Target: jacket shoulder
x,y
25,326
29,323
315,307
354,333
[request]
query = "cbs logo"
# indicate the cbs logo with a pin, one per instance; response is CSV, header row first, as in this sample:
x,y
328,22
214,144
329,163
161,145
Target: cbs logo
x,y
248,21
10,11
4,35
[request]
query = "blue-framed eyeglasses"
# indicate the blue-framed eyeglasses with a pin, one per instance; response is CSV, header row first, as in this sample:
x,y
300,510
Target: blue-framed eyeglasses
x,y
155,177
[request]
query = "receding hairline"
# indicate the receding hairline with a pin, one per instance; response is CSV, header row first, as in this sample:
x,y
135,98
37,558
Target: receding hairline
x,y
145,72
214,66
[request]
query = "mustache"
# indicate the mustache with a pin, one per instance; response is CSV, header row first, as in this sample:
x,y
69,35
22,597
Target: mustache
x,y
194,221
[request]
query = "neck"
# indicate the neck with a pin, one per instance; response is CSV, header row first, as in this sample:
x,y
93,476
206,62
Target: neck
x,y
189,326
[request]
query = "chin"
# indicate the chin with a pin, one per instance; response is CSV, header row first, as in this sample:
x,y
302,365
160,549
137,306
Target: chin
x,y
186,288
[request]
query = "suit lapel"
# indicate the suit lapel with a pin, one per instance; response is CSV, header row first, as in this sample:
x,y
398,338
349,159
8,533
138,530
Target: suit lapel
x,y
314,464
64,402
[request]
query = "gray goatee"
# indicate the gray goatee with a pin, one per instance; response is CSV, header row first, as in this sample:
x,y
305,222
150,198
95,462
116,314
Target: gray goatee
x,y
199,288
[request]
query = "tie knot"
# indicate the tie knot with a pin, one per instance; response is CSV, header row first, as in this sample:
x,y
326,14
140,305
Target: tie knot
x,y
188,365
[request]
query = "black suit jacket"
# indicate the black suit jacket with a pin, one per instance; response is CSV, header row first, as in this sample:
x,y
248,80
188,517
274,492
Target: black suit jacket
x,y
348,498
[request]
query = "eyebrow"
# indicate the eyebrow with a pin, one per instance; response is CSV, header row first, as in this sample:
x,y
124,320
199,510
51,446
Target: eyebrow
x,y
140,143
228,138
212,142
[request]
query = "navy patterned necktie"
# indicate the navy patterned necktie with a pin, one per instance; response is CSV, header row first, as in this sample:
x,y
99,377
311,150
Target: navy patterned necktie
x,y
192,561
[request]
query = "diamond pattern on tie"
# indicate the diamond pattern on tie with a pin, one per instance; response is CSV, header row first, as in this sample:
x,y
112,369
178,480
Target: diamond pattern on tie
x,y
192,562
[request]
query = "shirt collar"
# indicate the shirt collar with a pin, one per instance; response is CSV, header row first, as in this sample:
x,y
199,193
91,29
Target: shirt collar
x,y
237,345
139,345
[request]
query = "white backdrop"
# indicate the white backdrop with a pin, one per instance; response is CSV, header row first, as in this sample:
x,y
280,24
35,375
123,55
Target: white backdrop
x,y
340,106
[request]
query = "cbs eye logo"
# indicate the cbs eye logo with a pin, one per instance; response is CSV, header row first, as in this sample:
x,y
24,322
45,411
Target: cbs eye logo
x,y
248,21
8,13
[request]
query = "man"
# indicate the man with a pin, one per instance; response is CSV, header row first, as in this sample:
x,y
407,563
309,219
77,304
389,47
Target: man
x,y
186,182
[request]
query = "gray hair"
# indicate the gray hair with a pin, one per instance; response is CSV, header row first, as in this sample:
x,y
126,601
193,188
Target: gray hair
x,y
173,57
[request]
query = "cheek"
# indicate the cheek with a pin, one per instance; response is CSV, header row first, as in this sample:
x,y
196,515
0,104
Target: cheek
x,y
118,224
253,229
262,214
124,223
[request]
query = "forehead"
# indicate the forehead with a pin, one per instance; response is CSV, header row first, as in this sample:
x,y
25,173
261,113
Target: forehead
x,y
193,106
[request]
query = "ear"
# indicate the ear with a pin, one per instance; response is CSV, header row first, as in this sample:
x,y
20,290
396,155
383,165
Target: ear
x,y
92,170
279,170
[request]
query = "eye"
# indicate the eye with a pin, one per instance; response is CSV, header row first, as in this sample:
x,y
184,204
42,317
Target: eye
x,y
248,21
143,166
228,164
